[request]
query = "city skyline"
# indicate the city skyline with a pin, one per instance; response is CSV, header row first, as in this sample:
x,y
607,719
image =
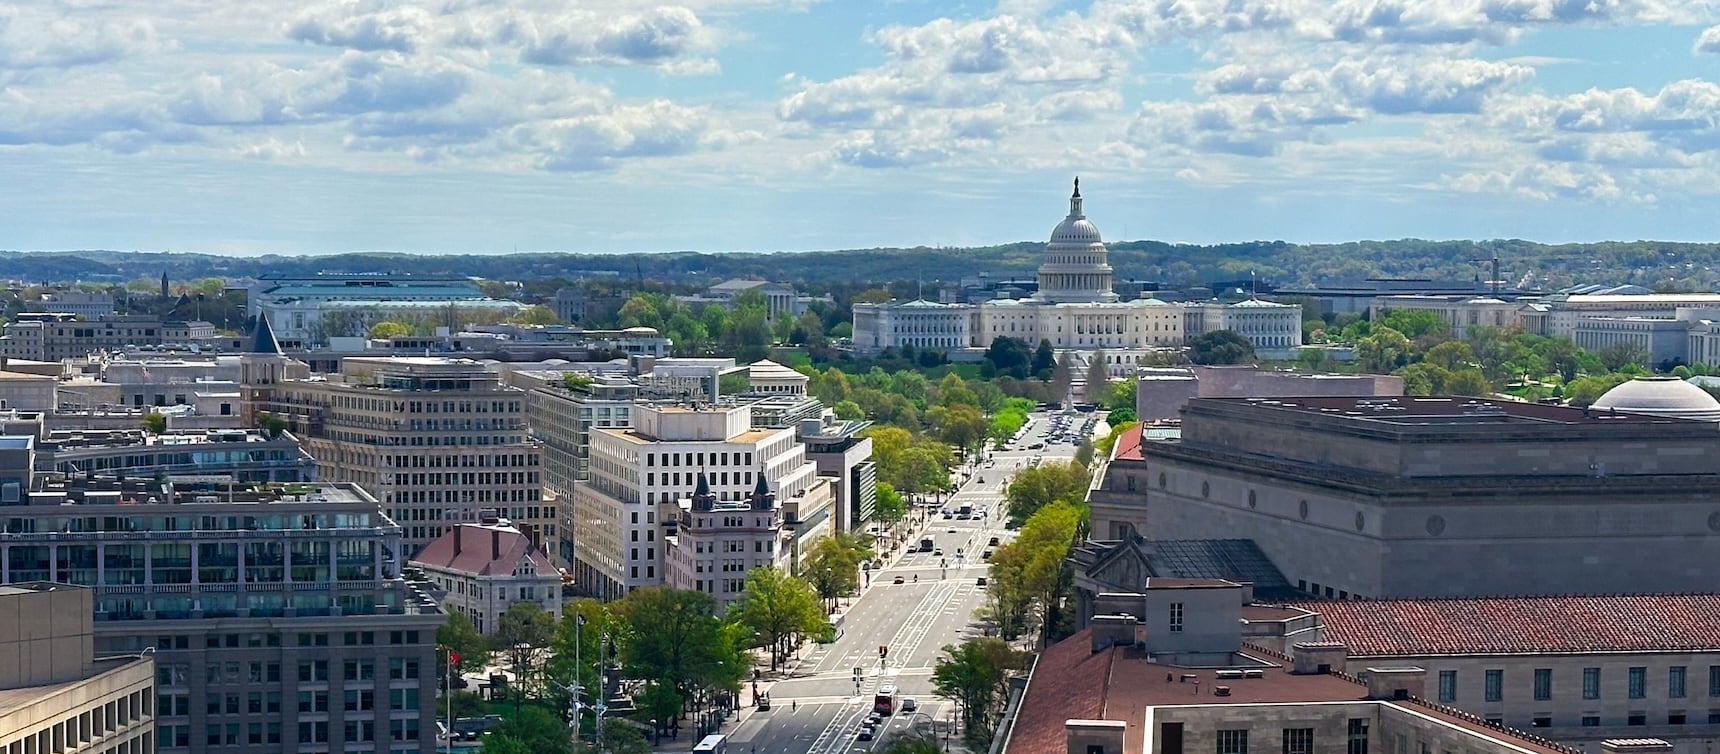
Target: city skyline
x,y
753,125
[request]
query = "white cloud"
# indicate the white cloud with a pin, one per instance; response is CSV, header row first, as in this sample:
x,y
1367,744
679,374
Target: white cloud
x,y
367,26
1549,182
599,141
657,36
37,39
1708,42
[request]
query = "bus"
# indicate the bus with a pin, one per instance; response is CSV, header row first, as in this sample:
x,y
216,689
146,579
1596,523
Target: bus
x,y
712,745
884,703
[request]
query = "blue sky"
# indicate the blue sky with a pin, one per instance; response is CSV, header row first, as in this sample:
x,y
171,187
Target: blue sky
x,y
253,126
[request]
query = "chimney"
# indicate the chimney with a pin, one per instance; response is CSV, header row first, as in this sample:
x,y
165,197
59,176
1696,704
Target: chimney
x,y
495,543
1635,746
1396,683
1094,736
1112,630
1319,657
457,529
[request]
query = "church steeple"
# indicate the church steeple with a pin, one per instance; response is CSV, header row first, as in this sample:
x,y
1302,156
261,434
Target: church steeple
x,y
1075,200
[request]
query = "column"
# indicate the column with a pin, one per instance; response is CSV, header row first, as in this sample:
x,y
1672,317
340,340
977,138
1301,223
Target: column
x,y
101,564
54,563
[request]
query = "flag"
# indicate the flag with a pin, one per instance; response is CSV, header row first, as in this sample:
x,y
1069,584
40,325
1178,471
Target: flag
x,y
453,658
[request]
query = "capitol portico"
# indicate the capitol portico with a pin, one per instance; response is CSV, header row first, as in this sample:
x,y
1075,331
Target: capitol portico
x,y
1074,309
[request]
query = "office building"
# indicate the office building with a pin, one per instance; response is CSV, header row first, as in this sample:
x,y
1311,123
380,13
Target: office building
x,y
439,441
58,337
1161,392
307,310
88,305
562,414
56,694
836,447
277,615
716,542
1179,678
1434,496
638,475
244,455
1576,669
483,569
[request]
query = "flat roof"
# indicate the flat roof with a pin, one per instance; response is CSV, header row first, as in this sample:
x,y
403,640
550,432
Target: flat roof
x,y
1412,410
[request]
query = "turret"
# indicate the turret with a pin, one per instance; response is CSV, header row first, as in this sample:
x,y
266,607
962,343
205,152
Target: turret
x,y
703,500
763,499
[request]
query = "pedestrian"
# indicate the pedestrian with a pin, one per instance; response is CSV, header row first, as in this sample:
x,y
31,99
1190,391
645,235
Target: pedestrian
x,y
794,705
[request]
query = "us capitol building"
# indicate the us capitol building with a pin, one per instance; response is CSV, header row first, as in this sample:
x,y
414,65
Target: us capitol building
x,y
1076,309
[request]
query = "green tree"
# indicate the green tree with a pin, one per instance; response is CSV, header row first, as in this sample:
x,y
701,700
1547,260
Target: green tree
x,y
272,425
1451,356
1121,415
536,314
522,631
1383,351
1615,356
848,410
976,675
1416,323
1044,360
155,422
1009,356
1584,391
641,311
888,507
673,636
388,329
926,744
1062,376
1423,378
577,648
833,561
1034,488
779,609
1468,382
660,701
1220,347
953,391
1098,388
964,427
538,730
458,634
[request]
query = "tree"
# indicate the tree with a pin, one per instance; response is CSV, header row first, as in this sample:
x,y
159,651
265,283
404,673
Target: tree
x,y
1121,415
672,636
1044,360
888,507
155,422
537,730
271,424
927,744
976,675
848,410
1468,382
1416,323
577,649
1221,347
521,631
963,427
1584,391
953,391
833,561
1451,356
779,609
458,634
388,329
1098,387
536,314
1036,487
1383,351
1010,356
1615,356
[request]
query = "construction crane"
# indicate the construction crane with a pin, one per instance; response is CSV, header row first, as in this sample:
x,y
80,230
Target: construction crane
x,y
1493,280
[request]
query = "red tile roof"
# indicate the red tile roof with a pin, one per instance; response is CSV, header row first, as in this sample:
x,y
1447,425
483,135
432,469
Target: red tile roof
x,y
1521,625
1071,682
1129,443
485,550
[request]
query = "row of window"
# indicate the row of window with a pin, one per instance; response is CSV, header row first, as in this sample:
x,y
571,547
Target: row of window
x,y
697,459
1291,740
1636,686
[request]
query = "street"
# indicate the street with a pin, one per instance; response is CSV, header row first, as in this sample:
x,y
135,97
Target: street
x,y
819,706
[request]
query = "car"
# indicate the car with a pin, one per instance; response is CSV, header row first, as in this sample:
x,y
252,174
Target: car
x,y
948,514
872,719
993,542
898,580
952,531
986,556
865,734
981,581
938,552
908,704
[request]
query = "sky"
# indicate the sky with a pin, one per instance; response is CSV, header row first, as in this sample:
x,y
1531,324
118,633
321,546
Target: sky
x,y
488,126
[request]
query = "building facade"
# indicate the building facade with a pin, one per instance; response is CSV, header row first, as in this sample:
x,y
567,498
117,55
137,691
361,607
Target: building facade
x,y
56,694
484,569
562,415
717,542
277,614
1422,497
1073,307
245,455
308,310
623,513
58,337
439,441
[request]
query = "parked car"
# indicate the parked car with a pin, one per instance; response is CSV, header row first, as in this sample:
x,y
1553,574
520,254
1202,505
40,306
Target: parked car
x,y
897,580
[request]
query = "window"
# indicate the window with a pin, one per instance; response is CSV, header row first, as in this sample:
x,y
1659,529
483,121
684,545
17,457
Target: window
x,y
1675,682
1447,686
1543,684
1176,617
1591,683
1358,735
1298,741
1637,718
1675,718
1233,742
1591,721
1714,680
1495,689
1541,722
1638,683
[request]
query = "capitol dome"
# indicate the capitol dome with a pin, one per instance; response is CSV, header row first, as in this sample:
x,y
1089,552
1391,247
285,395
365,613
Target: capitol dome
x,y
1076,269
1661,396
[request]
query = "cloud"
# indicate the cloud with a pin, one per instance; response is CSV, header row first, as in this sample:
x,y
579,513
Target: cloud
x,y
369,26
354,84
654,37
35,40
599,141
1708,42
1548,182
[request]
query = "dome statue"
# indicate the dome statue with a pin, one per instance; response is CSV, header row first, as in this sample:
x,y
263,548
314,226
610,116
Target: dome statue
x,y
1076,267
1661,396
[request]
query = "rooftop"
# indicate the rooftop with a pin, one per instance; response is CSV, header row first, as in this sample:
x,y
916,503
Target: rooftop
x,y
1070,681
1523,625
484,550
1443,410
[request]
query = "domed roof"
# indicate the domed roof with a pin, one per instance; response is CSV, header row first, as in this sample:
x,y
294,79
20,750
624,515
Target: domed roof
x,y
1077,231
1661,396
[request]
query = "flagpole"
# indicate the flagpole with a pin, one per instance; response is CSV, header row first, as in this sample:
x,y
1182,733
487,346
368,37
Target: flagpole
x,y
448,682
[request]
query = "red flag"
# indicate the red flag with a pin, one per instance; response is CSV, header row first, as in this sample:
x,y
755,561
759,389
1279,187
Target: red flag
x,y
453,658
